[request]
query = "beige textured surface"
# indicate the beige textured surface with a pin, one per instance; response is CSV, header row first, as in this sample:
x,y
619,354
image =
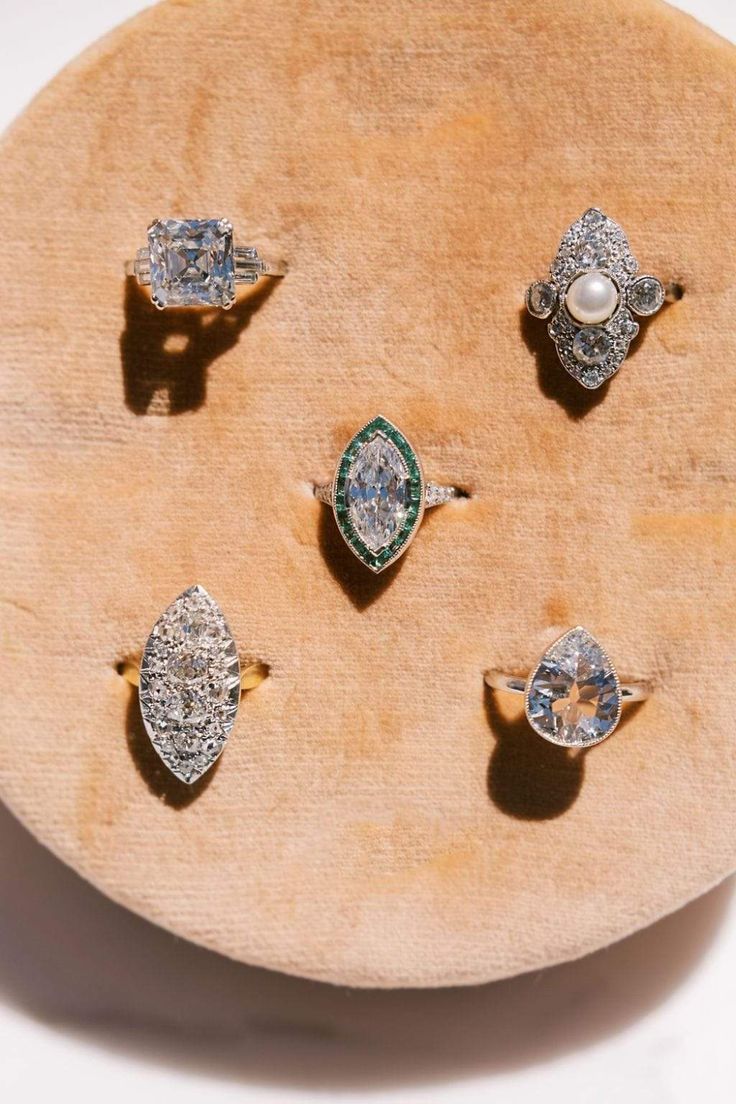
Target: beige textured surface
x,y
376,819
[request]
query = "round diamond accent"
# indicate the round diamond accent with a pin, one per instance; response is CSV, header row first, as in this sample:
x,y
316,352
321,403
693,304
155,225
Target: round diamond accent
x,y
591,345
646,295
541,299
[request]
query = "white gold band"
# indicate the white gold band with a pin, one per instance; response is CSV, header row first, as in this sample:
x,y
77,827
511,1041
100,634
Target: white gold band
x,y
515,684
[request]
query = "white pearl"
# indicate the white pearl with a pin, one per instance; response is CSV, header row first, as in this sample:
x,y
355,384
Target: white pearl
x,y
592,298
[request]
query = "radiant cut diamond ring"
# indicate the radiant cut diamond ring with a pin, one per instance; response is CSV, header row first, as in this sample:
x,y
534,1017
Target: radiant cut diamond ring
x,y
592,293
573,697
194,263
379,494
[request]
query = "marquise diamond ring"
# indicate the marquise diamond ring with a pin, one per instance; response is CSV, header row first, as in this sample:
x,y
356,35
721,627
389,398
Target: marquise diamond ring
x,y
379,494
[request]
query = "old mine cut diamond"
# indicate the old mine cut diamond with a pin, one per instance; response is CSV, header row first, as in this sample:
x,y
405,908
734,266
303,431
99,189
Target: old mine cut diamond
x,y
573,697
192,263
377,492
541,299
190,684
646,295
591,345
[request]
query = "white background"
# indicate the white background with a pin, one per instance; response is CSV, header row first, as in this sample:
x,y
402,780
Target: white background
x,y
97,1005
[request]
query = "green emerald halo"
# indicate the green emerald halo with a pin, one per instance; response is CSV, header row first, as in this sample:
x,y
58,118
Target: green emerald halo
x,y
378,494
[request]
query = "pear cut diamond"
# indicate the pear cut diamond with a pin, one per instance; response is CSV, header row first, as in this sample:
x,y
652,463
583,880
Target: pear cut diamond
x,y
378,495
189,687
573,698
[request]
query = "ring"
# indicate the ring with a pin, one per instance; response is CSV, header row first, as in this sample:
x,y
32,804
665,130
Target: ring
x,y
379,494
574,696
594,285
189,684
193,263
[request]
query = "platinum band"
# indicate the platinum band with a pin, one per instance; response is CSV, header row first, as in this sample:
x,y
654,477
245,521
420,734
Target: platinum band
x,y
435,494
514,684
248,264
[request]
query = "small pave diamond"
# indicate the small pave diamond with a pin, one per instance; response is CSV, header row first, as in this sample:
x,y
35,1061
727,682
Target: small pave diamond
x,y
646,295
541,299
574,697
190,684
191,263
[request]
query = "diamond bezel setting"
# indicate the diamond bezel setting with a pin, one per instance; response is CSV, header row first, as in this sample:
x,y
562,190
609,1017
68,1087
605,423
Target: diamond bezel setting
x,y
594,243
378,560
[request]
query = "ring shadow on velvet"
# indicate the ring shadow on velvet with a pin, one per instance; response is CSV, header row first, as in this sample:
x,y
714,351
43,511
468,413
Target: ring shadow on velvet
x,y
165,354
357,581
158,778
530,778
95,974
556,383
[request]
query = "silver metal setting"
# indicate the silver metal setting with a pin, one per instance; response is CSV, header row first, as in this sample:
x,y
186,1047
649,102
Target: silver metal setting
x,y
573,696
210,285
189,684
593,350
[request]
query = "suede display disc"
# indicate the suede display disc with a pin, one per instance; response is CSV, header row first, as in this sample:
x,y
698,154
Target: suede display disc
x,y
378,818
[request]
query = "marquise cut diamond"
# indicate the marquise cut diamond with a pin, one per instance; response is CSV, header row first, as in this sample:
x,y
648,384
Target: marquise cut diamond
x,y
573,697
377,492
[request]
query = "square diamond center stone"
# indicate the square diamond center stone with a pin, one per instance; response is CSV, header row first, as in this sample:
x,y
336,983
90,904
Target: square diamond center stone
x,y
192,263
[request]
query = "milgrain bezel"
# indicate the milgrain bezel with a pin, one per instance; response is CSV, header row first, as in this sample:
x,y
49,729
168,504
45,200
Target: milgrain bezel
x,y
609,666
379,561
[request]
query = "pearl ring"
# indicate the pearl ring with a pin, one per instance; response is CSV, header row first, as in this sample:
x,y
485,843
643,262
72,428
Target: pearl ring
x,y
593,287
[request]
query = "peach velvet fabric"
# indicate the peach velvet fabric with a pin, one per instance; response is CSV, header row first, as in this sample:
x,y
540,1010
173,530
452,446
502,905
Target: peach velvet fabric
x,y
378,819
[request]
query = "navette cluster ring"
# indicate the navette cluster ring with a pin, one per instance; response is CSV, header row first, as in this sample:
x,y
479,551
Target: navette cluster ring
x,y
593,287
189,684
573,696
379,494
194,263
